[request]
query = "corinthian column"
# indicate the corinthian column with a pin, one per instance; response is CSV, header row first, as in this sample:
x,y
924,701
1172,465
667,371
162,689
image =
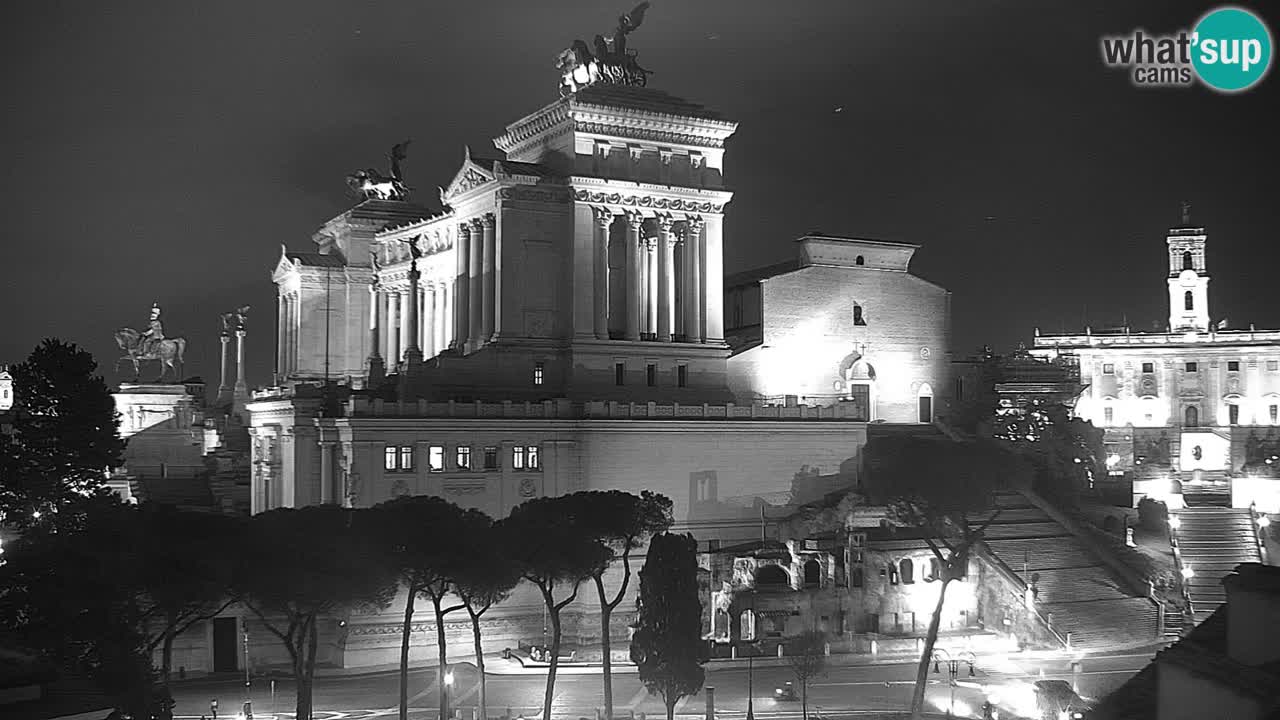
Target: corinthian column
x,y
634,222
223,389
410,325
666,277
393,322
475,284
603,219
693,261
376,367
241,389
429,321
462,287
651,287
489,268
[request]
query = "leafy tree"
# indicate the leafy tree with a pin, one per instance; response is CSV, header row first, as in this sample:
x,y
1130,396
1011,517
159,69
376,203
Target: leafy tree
x,y
938,486
309,563
807,656
486,579
65,435
620,522
1068,451
667,646
552,546
423,536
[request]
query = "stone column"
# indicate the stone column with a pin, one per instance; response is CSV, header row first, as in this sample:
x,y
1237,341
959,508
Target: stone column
x,y
293,334
223,389
461,288
693,261
488,268
713,279
242,389
666,277
634,222
281,341
377,370
326,472
410,324
429,321
406,324
651,296
442,316
393,331
603,219
475,285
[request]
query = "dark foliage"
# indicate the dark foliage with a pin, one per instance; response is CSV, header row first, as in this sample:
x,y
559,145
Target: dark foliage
x,y
667,646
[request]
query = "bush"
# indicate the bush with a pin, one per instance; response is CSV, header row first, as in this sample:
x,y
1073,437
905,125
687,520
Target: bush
x,y
1152,514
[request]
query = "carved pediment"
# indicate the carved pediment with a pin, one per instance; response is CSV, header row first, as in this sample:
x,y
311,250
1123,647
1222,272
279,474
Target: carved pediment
x,y
470,176
284,266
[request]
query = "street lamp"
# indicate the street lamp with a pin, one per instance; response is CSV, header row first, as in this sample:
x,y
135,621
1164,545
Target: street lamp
x,y
751,656
448,688
1187,572
953,670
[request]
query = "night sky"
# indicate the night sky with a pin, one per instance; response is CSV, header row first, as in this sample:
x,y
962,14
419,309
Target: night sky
x,y
164,150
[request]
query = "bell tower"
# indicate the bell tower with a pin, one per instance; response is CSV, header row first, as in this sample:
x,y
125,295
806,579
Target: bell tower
x,y
1188,277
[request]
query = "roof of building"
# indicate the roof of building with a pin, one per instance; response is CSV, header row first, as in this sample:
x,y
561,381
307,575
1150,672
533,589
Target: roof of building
x,y
514,167
317,259
643,99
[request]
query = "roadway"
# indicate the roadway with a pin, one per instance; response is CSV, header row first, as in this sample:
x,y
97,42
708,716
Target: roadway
x,y
884,686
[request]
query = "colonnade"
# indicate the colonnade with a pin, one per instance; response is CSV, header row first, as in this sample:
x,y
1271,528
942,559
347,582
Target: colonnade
x,y
390,319
651,278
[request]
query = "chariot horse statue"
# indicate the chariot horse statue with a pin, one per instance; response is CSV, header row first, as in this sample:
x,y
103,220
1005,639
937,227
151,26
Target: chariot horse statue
x,y
151,344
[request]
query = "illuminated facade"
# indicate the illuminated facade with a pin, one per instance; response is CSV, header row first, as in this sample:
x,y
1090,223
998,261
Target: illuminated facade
x,y
1199,400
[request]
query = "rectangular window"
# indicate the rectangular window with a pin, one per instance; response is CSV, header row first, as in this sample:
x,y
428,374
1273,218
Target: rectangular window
x,y
1193,367
1108,369
957,392
651,374
517,457
682,375
1273,365
389,458
524,457
1233,414
619,373
1274,410
1233,366
531,458
435,458
537,372
491,458
406,458
1108,415
463,459
1148,367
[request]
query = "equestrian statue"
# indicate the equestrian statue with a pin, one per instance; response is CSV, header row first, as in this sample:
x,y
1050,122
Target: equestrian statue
x,y
371,184
151,344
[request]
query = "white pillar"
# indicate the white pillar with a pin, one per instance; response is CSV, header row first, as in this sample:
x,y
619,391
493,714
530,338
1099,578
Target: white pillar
x,y
475,286
393,329
429,320
693,261
462,287
282,341
374,301
488,270
222,383
666,278
713,272
443,320
241,388
634,221
600,246
651,296
406,321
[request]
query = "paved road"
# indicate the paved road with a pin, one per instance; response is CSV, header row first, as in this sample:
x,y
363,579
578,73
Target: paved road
x,y
866,687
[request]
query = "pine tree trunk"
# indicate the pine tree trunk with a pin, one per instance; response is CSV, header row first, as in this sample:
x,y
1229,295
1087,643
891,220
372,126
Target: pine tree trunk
x,y
671,709
166,650
475,634
555,656
605,648
804,698
922,670
405,636
312,642
443,654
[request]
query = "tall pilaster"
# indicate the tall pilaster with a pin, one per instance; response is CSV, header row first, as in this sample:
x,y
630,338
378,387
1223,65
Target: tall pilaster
x,y
242,388
223,389
377,370
429,321
328,487
406,326
693,261
651,287
634,223
462,288
713,272
413,297
393,328
281,337
666,277
475,270
489,269
600,247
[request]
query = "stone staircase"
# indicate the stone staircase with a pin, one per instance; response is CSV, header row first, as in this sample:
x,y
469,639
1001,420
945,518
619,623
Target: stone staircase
x,y
1074,589
1206,488
1213,540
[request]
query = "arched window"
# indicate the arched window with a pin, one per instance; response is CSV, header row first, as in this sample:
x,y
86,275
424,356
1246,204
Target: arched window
x,y
1191,416
747,625
812,574
908,571
859,261
771,576
1188,301
857,316
1188,263
935,570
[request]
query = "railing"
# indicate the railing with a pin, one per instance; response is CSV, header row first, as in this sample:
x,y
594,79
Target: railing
x,y
565,410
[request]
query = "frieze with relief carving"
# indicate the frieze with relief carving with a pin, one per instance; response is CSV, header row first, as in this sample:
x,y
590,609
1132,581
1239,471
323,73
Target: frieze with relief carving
x,y
650,134
545,196
648,201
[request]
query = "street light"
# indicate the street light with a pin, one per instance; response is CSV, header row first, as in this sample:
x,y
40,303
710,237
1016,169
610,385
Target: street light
x,y
448,688
1187,572
1174,522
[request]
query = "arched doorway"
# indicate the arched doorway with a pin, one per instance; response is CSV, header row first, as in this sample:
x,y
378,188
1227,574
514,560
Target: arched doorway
x,y
812,574
772,576
859,380
924,403
1191,416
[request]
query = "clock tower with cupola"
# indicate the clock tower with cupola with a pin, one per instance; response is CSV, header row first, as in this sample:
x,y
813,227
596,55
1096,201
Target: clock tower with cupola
x,y
1188,277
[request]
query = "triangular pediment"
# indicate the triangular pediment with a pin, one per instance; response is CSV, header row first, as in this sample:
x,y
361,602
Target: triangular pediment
x,y
284,266
470,176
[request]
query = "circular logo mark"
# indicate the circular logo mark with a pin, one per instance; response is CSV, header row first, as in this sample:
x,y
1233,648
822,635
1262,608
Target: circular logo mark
x,y
1231,49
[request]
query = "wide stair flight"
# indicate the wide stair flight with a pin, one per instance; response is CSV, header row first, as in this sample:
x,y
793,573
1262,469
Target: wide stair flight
x,y
1212,541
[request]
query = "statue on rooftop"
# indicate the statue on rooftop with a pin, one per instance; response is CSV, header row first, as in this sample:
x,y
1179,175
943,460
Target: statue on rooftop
x,y
151,344
610,63
371,184
235,320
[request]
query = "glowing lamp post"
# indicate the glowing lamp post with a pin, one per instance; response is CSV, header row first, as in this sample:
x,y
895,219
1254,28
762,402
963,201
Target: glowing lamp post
x,y
1264,522
448,692
1175,522
1187,572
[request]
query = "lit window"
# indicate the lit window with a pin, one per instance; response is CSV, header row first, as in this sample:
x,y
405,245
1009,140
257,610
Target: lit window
x,y
491,458
1187,301
1233,414
1233,366
463,457
531,457
537,372
651,375
908,570
1108,369
517,457
524,457
1148,367
682,375
1108,415
389,458
1193,367
406,457
619,373
435,458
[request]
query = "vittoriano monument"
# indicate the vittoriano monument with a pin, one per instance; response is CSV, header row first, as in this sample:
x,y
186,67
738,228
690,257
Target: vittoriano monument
x,y
370,184
611,62
151,344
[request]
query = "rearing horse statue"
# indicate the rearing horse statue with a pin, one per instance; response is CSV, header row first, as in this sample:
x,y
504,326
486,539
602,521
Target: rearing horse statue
x,y
168,352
